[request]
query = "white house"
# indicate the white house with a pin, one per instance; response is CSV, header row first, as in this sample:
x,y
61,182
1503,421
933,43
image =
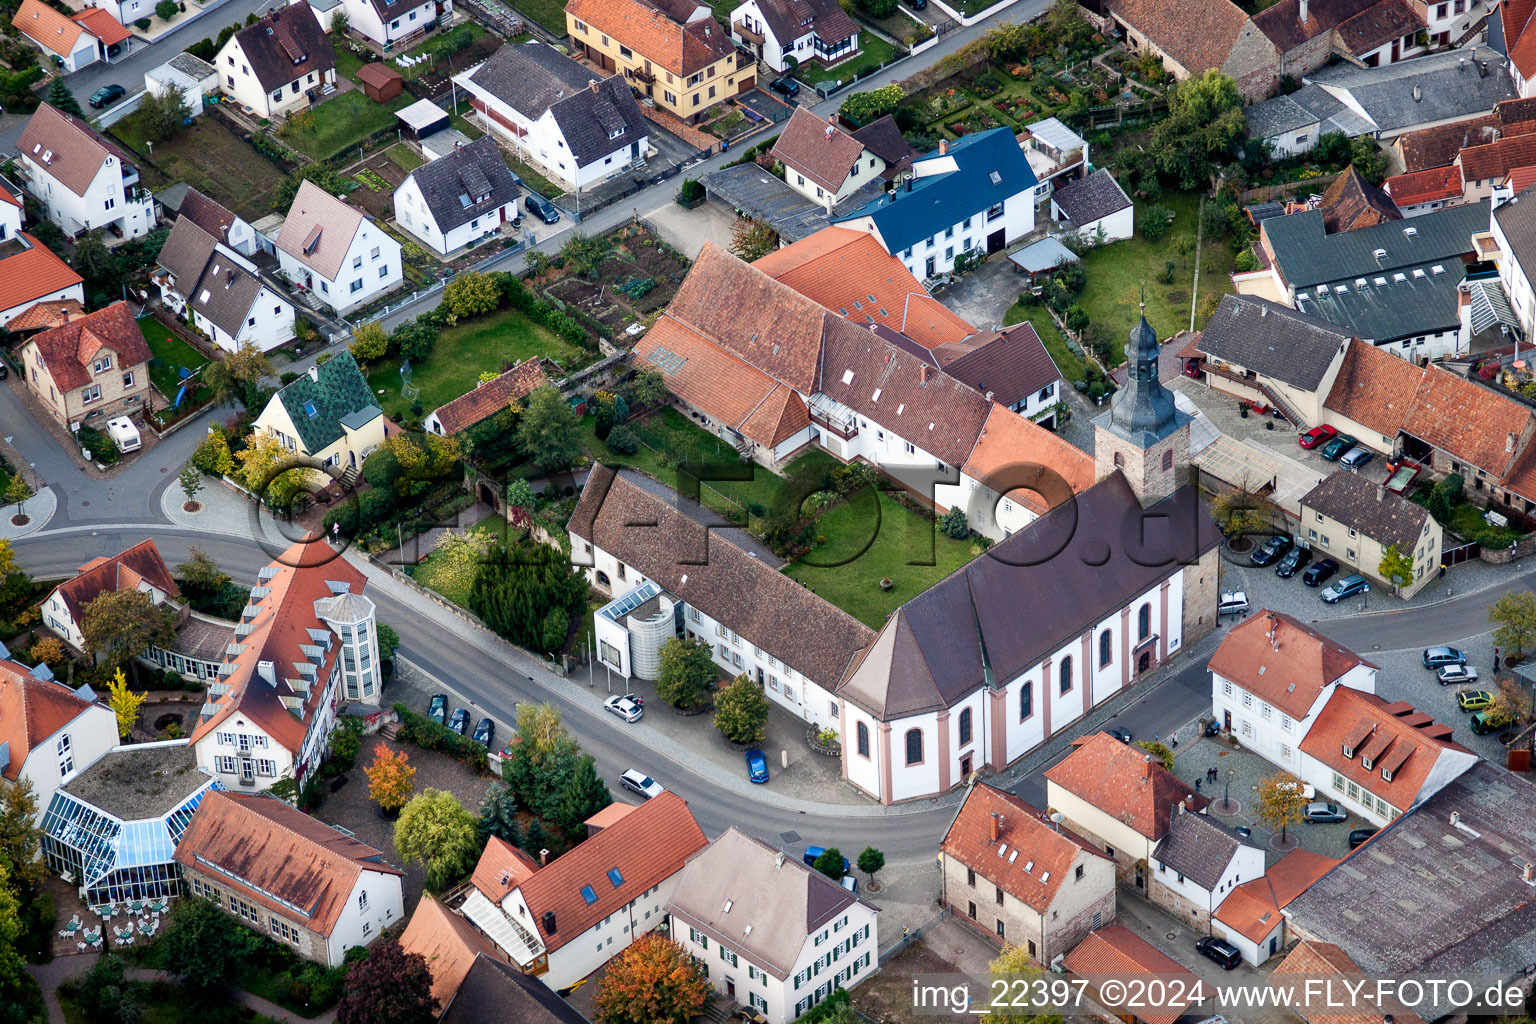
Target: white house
x,y
1197,865
230,229
565,919
1251,916
280,64
387,22
458,199
823,161
139,568
770,932
976,194
581,128
191,77
83,181
996,489
1095,209
1057,155
48,732
244,852
72,40
336,251
1513,226
787,33
220,291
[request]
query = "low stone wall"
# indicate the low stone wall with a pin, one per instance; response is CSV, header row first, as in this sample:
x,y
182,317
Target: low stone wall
x,y
1520,549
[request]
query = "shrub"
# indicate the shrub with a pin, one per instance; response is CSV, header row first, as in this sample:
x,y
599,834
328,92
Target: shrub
x,y
1245,262
165,10
692,190
954,524
143,23
622,441
1154,222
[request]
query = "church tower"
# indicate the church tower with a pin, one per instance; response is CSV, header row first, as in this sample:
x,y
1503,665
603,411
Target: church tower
x,y
1143,434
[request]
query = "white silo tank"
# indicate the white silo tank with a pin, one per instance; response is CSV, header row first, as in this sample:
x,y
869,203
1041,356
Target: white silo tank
x,y
650,626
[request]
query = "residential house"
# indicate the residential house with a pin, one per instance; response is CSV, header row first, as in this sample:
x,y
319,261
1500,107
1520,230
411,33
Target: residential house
x,y
336,251
280,64
1198,864
564,919
231,230
49,733
83,181
768,931
1290,125
391,24
486,399
310,641
1011,873
139,568
1513,227
973,195
1252,918
559,114
328,414
112,829
1057,155
191,78
73,40
220,292
1118,953
1326,966
1010,366
1271,677
1095,209
1356,521
93,366
1351,203
1419,192
291,877
459,199
1119,798
805,31
686,67
1198,37
1519,37
824,161
31,275
1483,167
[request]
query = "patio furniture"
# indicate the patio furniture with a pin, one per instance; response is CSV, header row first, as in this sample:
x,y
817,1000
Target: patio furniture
x,y
81,946
136,908
158,906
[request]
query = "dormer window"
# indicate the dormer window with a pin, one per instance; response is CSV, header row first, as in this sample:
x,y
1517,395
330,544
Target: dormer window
x,y
1366,763
1349,753
1386,775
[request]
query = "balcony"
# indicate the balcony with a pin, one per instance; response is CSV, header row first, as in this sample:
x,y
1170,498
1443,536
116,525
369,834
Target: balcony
x,y
641,75
740,28
842,428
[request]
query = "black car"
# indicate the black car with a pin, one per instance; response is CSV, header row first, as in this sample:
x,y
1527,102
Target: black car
x,y
1123,735
1359,836
106,94
917,5
786,87
1242,831
485,732
1271,549
1319,572
1219,951
5,371
541,208
459,723
1296,558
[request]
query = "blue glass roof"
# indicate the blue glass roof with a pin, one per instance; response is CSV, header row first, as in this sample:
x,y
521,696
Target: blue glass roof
x,y
108,844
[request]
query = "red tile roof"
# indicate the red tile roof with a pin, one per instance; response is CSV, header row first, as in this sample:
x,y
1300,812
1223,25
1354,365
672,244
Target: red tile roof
x,y
126,570
1519,43
1469,421
50,29
449,945
1426,186
78,149
102,25
680,49
1029,859
1117,952
1438,146
31,273
1253,908
818,148
43,315
1009,441
1319,960
1197,33
502,867
1123,782
1283,662
1490,161
1352,202
492,396
1517,180
1374,387
70,347
32,710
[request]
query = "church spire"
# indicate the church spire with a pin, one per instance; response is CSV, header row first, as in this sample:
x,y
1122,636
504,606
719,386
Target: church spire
x,y
1143,410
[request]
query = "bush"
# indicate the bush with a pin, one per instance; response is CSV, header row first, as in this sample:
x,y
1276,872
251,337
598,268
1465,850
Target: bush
x,y
143,23
692,190
1154,222
1245,262
428,735
165,10
954,524
864,107
102,448
622,441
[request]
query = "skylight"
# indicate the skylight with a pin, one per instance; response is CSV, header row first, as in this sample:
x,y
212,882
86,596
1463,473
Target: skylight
x,y
1002,851
617,878
588,894
310,410
997,179
847,376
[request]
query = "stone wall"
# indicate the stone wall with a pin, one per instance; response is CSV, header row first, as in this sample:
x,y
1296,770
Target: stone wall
x,y
1254,63
310,946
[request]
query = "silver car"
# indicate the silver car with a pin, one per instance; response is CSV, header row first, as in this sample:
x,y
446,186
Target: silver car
x,y
639,782
624,708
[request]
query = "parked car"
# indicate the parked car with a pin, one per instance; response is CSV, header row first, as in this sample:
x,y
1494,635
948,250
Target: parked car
x,y
459,723
757,766
749,1015
485,733
1296,558
437,710
1337,447
1473,700
1359,836
1271,549
1320,571
1220,951
1123,735
538,206
1349,586
1434,657
813,852
1355,458
1487,721
5,371
1233,602
786,87
917,5
637,781
1242,831
1450,675
1317,436
624,708
850,883
1320,812
639,700
106,94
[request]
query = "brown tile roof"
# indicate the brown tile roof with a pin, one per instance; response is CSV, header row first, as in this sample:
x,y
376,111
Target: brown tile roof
x,y
1290,669
32,710
1361,504
1374,387
447,942
378,74
1029,859
785,18
1493,160
123,571
1010,365
1319,960
1253,908
78,149
1469,421
43,315
286,45
1283,26
702,567
1515,111
680,49
1352,202
1426,186
1517,180
1438,146
50,29
884,139
277,856
818,148
502,867
1197,33
102,25
213,218
319,229
1379,24
30,271
1117,952
1519,40
472,407
1124,783
1009,441
70,347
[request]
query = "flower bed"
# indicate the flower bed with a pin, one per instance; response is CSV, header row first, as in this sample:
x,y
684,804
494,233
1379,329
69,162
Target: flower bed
x,y
977,120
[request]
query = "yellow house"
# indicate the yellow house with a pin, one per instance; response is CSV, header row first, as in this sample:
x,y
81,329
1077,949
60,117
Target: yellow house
x,y
685,68
328,414
90,366
1353,520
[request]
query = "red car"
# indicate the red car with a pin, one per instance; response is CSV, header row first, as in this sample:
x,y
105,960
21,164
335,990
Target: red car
x,y
1317,436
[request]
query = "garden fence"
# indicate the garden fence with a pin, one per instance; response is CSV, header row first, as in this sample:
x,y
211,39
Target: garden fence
x,y
909,937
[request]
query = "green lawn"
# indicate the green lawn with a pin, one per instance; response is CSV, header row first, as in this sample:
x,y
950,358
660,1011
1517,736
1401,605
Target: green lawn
x,y
549,13
445,43
1072,366
404,157
348,63
862,548
171,353
873,52
532,178
459,121
462,353
437,575
343,121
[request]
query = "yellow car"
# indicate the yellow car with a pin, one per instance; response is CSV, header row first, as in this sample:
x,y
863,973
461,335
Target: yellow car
x,y
1473,700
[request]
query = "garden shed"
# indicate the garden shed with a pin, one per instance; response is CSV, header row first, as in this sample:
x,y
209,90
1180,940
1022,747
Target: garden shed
x,y
381,82
192,77
422,118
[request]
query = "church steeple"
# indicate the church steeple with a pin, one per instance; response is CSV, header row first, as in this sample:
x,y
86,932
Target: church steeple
x,y
1143,410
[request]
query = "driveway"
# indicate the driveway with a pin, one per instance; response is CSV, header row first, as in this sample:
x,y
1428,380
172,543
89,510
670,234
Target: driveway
x,y
983,296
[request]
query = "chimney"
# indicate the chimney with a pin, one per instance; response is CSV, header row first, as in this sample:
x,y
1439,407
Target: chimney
x,y
1528,873
997,825
1381,494
544,859
922,377
909,182
943,147
1455,818
1482,69
549,915
314,374
989,396
778,861
1303,12
592,84
1417,94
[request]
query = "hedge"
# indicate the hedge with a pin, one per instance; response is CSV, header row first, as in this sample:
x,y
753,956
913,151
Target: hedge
x,y
428,735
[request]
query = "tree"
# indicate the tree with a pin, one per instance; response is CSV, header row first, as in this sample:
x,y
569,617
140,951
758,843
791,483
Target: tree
x,y
21,839
273,473
871,861
124,703
864,107
7,558
436,830
1510,704
122,624
95,262
1368,159
1014,962
17,492
471,294
654,981
1238,511
1396,567
752,239
391,778
389,641
1282,799
528,595
191,481
585,253
878,9
548,432
234,374
389,986
1514,616
954,524
163,115
201,576
535,842
339,22
105,995
369,342
1159,751
415,338
61,99
520,500
498,816
206,946
544,757
1154,222
585,794
212,454
48,650
1204,124
12,973
741,711
687,673
830,863
423,458
647,388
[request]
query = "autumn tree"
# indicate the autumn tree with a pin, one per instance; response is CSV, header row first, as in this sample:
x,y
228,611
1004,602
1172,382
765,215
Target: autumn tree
x,y
17,492
1396,567
124,703
1514,618
1237,510
741,711
751,239
7,558
1510,704
48,650
687,673
871,861
1015,962
1159,751
584,794
471,294
547,431
435,830
544,757
391,778
237,373
1282,799
389,986
18,999
654,981
369,342
191,481
205,946
273,473
122,624
423,457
